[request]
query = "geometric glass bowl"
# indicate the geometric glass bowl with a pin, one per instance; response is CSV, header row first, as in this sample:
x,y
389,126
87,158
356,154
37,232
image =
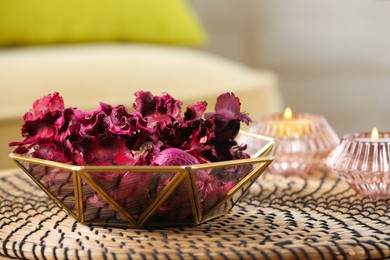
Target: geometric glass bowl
x,y
149,196
363,164
305,140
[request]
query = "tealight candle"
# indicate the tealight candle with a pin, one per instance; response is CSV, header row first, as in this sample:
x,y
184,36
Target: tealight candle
x,y
289,125
363,160
305,140
374,137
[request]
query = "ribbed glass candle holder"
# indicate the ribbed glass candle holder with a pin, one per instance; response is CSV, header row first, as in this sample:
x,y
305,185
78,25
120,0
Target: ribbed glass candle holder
x,y
363,163
305,140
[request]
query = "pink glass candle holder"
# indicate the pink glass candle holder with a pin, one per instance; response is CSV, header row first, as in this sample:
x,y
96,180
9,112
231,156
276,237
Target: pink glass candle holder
x,y
363,162
305,140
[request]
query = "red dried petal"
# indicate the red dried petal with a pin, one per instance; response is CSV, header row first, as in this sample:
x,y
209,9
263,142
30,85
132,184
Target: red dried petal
x,y
195,111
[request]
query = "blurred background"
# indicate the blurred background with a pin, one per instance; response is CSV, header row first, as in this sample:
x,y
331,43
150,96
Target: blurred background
x,y
332,57
326,56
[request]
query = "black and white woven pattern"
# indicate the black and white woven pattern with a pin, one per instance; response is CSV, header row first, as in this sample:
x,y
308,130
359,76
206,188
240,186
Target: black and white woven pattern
x,y
280,218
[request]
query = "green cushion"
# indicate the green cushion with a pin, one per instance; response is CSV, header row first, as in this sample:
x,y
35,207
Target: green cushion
x,y
63,21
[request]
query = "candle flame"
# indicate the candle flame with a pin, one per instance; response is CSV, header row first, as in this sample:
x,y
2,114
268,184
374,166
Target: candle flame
x,y
374,135
287,113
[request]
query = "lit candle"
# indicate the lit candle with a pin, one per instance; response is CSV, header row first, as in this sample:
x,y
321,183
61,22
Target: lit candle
x,y
290,125
363,161
304,140
375,137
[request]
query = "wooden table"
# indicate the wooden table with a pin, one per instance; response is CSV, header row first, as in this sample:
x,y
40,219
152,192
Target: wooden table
x,y
280,218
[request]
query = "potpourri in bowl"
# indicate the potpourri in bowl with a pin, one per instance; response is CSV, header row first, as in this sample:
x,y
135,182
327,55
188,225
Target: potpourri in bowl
x,y
146,168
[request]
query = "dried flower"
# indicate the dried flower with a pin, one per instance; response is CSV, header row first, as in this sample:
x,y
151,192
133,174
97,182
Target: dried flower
x,y
154,134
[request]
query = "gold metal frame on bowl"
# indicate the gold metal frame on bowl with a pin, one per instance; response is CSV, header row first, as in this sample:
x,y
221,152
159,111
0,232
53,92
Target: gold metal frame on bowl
x,y
81,174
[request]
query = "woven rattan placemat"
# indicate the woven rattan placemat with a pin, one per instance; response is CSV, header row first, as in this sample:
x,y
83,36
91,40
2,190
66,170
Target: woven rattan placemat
x,y
281,218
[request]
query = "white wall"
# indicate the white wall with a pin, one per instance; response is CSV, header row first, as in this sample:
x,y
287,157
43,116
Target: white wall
x,y
332,56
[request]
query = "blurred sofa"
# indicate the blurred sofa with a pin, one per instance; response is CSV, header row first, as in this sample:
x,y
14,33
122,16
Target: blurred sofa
x,y
88,71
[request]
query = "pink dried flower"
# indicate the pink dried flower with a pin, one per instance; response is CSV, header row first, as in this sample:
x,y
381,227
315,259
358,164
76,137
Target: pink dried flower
x,y
154,134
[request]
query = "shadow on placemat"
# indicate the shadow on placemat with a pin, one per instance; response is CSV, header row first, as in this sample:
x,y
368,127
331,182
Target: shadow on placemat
x,y
319,217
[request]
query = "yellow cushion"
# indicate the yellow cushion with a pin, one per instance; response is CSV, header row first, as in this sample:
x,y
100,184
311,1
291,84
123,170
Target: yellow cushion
x,y
64,21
